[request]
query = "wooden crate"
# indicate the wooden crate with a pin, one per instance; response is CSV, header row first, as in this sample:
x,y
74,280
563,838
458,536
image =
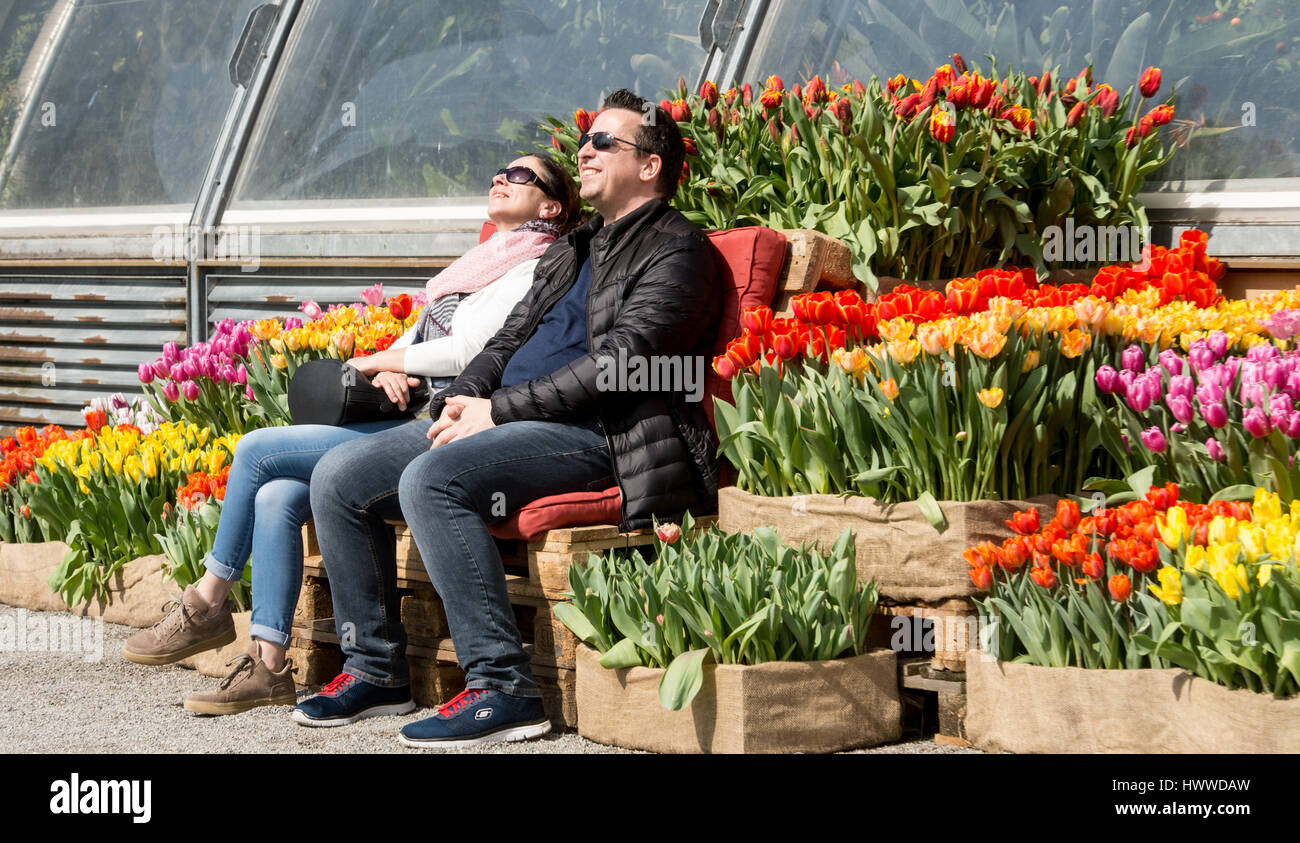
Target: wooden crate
x,y
948,630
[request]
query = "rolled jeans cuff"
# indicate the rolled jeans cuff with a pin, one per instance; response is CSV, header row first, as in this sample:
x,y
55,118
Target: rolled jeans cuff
x,y
223,571
265,633
510,690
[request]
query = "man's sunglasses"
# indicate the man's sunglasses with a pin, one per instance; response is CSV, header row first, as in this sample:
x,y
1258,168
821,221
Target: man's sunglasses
x,y
601,141
524,175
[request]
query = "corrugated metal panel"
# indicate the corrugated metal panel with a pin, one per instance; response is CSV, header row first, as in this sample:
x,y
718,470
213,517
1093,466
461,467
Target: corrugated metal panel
x,y
69,335
277,291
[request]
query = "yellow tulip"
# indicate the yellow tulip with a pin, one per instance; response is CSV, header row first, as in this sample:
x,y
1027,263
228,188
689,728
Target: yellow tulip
x,y
889,388
991,397
293,340
1266,506
1266,573
1252,541
895,330
1173,527
278,361
1222,529
986,344
1279,538
904,352
1171,586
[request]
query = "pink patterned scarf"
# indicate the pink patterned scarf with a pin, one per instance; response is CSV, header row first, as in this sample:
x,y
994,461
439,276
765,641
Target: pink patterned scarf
x,y
492,258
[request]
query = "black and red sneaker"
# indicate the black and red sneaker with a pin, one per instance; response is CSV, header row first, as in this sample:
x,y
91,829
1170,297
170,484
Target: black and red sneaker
x,y
347,699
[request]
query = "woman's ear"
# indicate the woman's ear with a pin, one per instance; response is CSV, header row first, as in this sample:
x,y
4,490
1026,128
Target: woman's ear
x,y
549,209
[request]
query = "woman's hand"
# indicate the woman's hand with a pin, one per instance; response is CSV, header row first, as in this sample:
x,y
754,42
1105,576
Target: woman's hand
x,y
397,385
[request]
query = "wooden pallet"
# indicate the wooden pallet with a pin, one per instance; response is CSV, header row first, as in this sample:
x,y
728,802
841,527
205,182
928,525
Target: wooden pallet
x,y
941,692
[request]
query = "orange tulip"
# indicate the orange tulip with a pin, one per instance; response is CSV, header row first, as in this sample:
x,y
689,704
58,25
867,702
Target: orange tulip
x,y
982,577
1043,576
889,388
1150,82
942,126
1120,587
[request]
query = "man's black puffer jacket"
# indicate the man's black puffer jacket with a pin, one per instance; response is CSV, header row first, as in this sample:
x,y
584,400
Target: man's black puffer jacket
x,y
654,292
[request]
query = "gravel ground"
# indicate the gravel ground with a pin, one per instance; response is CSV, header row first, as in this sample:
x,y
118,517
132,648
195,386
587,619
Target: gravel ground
x,y
113,705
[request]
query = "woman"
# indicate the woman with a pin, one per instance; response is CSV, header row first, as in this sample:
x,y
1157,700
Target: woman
x,y
531,202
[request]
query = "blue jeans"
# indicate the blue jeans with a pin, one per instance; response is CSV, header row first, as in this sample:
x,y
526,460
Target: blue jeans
x,y
447,496
266,504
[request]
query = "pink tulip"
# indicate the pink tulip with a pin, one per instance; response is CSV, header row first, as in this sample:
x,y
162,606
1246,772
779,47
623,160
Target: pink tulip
x,y
373,296
1215,414
241,374
1138,398
1107,380
190,390
1182,385
1206,393
1257,423
248,393
1218,344
1181,408
1154,440
310,309
171,391
1177,427
1291,426
292,323
1254,393
1215,449
1133,359
1275,373
1172,361
1262,352
668,533
145,372
171,353
1200,355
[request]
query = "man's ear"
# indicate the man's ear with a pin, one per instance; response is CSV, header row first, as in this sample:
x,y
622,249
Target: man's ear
x,y
650,168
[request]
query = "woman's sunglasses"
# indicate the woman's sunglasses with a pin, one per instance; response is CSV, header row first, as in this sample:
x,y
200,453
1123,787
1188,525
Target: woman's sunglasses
x,y
601,141
524,175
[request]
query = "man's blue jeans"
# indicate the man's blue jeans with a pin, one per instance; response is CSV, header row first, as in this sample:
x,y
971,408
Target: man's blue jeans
x,y
265,507
447,496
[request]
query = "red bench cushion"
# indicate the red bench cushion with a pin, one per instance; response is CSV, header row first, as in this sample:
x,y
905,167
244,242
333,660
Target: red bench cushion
x,y
752,260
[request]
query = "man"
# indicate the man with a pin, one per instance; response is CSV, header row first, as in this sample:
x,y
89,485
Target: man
x,y
530,416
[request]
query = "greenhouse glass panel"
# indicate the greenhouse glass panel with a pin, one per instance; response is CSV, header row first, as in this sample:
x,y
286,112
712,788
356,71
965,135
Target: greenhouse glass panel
x,y
406,100
129,98
20,29
1238,103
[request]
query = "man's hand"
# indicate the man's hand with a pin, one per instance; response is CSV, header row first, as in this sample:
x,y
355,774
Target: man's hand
x,y
397,385
461,416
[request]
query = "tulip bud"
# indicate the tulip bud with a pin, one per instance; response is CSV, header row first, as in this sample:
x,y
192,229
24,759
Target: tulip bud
x,y
1120,587
583,118
1107,380
771,99
1154,440
857,91
1131,138
729,97
774,130
715,123
774,83
1150,82
1133,359
1216,450
747,96
958,62
1076,114
796,90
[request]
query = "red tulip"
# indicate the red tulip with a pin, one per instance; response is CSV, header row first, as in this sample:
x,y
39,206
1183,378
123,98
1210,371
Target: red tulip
x,y
583,118
747,94
958,62
1093,566
816,91
1105,98
1120,587
942,126
1162,114
982,577
680,111
1076,114
709,93
1131,138
1024,523
1145,126
774,83
1150,82
858,91
771,98
1043,576
400,306
691,148
1067,512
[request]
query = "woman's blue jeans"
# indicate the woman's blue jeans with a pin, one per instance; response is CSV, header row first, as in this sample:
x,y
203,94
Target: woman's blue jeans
x,y
267,502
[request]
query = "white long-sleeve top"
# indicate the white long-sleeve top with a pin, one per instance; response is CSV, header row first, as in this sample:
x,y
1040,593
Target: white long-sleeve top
x,y
477,318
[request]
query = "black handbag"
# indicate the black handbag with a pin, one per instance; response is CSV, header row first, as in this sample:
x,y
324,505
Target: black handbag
x,y
331,392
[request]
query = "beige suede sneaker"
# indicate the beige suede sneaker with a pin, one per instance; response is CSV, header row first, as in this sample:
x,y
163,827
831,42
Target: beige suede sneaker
x,y
184,630
250,685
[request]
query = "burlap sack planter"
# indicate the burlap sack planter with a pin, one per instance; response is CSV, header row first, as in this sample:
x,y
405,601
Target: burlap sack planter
x,y
896,546
1026,708
775,707
136,593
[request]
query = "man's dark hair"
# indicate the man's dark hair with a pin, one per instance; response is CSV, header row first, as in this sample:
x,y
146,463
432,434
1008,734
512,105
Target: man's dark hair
x,y
661,137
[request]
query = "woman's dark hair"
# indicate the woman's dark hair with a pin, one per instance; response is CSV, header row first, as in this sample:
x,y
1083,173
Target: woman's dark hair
x,y
560,187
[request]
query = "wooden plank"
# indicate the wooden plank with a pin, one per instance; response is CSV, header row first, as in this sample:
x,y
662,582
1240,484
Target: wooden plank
x,y
814,259
639,538
553,643
423,615
433,682
314,601
314,662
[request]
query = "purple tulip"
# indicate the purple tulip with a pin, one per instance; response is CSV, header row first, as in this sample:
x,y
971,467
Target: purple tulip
x,y
190,390
1215,449
1172,361
1107,380
145,372
1200,355
171,391
1257,423
1133,359
1154,440
1215,414
171,353
1138,397
1181,408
